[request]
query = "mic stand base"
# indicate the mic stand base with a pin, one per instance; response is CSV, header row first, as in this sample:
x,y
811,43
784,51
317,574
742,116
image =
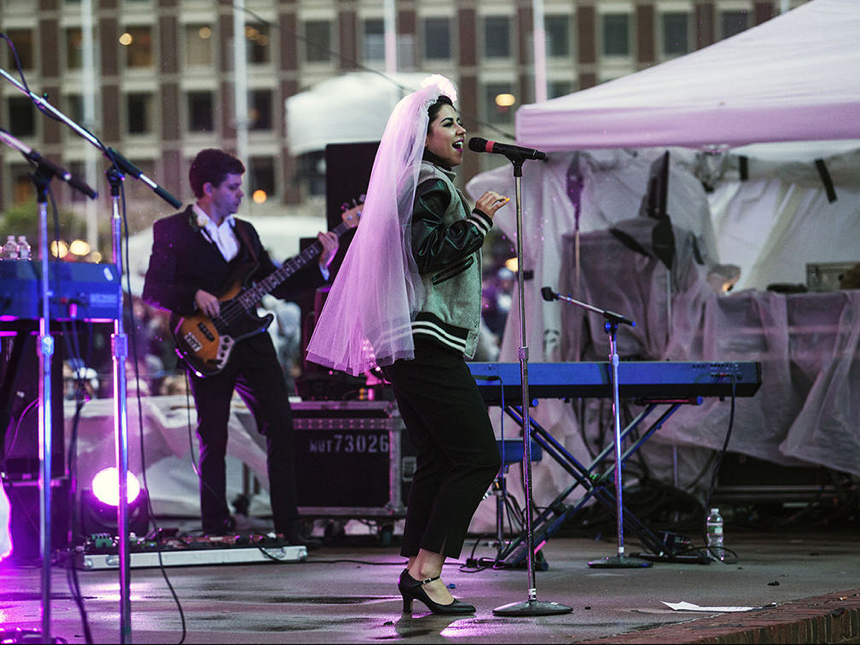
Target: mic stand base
x,y
619,562
532,608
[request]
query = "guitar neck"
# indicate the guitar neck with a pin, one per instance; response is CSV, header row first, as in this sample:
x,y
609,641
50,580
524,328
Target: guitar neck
x,y
251,296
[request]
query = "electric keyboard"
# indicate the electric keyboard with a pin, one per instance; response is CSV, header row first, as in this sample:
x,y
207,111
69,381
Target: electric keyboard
x,y
78,291
636,379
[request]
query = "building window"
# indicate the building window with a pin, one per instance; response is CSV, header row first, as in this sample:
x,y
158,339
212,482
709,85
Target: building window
x,y
616,34
201,117
500,103
138,113
260,115
733,22
317,41
676,35
373,43
497,37
198,45
75,107
22,183
437,39
557,36
74,48
22,116
262,175
22,39
78,169
554,89
258,44
138,46
406,52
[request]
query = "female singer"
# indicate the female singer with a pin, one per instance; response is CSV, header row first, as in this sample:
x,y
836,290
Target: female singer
x,y
408,299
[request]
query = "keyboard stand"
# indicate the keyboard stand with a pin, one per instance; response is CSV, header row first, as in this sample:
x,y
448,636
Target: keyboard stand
x,y
595,484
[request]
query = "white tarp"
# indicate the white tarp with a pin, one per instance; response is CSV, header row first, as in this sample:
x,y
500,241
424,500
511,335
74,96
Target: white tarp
x,y
792,78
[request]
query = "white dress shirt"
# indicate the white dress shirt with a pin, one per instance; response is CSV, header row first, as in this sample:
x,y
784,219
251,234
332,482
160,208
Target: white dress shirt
x,y
223,236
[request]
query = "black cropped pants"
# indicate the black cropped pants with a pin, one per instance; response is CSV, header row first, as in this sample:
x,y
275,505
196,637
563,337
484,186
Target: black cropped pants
x,y
446,419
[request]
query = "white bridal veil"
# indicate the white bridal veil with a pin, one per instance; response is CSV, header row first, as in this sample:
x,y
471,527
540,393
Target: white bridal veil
x,y
366,320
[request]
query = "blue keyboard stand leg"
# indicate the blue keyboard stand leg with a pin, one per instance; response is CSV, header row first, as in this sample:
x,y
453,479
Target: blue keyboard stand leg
x,y
551,520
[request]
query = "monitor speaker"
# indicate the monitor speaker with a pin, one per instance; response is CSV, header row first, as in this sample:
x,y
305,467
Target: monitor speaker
x,y
347,174
20,376
348,167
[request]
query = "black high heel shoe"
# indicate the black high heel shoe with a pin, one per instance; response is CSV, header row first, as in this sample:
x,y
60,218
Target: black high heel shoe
x,y
412,589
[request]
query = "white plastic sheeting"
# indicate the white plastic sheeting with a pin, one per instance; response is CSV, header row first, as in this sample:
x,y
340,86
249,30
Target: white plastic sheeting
x,y
804,413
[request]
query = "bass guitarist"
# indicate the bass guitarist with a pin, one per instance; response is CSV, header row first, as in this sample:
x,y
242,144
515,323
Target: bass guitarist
x,y
196,256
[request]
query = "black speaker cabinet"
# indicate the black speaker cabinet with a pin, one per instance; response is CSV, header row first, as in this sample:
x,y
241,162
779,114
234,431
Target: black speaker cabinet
x,y
353,459
20,377
347,174
24,505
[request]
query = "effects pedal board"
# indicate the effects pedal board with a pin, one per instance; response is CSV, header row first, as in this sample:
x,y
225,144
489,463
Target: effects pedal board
x,y
101,551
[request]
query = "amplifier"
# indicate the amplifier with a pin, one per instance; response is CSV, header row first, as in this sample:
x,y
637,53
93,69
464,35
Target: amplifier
x,y
352,459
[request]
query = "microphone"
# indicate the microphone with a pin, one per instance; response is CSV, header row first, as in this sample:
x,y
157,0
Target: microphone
x,y
128,167
57,171
477,144
548,294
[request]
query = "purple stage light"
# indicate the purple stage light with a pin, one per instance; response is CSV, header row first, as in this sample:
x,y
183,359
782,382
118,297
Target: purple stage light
x,y
105,486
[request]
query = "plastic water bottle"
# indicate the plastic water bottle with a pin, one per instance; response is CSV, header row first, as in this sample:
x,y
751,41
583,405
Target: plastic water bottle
x,y
24,250
10,249
714,529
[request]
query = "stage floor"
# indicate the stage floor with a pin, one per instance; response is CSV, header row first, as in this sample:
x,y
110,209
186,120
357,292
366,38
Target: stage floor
x,y
348,594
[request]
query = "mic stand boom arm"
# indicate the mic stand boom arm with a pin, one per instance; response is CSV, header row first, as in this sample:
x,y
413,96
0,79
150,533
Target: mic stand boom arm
x,y
113,156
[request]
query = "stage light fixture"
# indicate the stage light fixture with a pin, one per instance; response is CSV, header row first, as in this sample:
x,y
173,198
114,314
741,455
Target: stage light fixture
x,y
5,521
99,505
105,486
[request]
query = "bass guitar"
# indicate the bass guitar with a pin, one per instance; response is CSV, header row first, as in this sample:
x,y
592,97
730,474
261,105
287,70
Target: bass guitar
x,y
205,343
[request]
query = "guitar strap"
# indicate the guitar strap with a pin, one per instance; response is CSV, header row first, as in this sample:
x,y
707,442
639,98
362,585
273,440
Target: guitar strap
x,y
242,234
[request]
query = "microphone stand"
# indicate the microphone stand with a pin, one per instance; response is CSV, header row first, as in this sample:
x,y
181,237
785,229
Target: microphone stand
x,y
620,560
45,171
119,341
532,606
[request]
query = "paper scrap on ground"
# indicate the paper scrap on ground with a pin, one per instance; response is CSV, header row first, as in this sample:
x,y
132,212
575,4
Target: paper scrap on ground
x,y
688,606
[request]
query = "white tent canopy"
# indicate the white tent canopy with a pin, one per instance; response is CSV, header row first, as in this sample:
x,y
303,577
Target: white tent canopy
x,y
352,108
793,78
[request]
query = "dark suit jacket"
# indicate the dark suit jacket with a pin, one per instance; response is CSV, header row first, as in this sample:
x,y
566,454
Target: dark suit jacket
x,y
183,260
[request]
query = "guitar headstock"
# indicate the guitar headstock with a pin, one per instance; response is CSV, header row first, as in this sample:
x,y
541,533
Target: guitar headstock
x,y
351,211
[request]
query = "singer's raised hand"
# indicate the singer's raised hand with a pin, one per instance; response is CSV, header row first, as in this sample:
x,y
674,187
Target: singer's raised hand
x,y
490,202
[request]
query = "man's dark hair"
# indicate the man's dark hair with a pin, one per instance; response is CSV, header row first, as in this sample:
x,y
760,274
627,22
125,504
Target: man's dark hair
x,y
212,165
433,110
